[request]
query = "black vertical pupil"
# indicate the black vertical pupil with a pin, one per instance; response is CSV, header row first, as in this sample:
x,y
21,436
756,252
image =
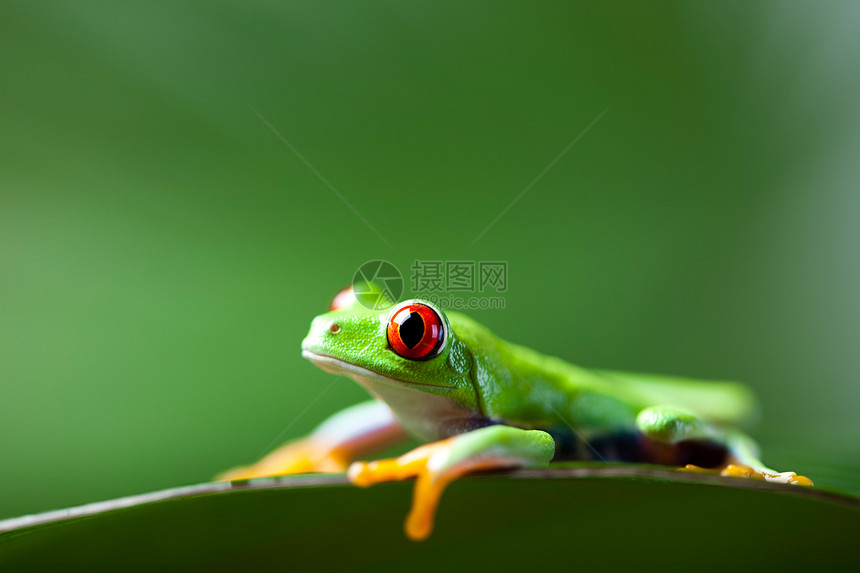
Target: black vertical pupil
x,y
412,330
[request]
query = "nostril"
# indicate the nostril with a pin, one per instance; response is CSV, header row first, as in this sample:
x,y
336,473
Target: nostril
x,y
334,328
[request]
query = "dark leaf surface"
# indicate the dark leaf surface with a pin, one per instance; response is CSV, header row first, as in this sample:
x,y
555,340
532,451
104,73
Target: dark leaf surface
x,y
609,518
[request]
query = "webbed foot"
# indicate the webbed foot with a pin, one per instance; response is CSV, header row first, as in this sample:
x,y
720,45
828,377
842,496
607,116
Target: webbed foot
x,y
422,463
437,464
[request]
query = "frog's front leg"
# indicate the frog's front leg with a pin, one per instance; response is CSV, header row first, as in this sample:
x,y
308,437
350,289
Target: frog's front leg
x,y
673,433
351,433
437,464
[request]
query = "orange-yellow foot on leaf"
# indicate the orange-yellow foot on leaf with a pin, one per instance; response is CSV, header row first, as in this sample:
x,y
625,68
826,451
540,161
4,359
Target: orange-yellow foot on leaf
x,y
301,456
437,464
743,471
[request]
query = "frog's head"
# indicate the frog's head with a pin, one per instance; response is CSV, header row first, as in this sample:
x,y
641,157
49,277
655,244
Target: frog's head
x,y
411,346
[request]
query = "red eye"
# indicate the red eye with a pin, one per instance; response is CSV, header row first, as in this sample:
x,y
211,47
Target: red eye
x,y
416,331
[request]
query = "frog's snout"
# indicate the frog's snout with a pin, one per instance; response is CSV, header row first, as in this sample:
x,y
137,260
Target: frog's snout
x,y
342,336
322,333
319,329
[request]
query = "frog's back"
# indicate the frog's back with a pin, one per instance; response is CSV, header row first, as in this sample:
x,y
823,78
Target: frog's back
x,y
551,378
723,402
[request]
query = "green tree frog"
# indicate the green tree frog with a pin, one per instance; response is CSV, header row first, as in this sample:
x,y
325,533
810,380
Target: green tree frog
x,y
477,403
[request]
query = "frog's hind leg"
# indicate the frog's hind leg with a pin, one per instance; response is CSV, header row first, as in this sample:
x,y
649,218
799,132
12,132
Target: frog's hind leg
x,y
675,437
680,438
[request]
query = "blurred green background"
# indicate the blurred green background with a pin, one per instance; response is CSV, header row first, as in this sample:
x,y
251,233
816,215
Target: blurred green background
x,y
162,252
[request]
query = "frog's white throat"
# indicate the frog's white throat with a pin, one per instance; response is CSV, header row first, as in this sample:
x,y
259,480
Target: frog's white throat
x,y
424,414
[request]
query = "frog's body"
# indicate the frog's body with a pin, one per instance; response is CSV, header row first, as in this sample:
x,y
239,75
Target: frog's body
x,y
482,403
